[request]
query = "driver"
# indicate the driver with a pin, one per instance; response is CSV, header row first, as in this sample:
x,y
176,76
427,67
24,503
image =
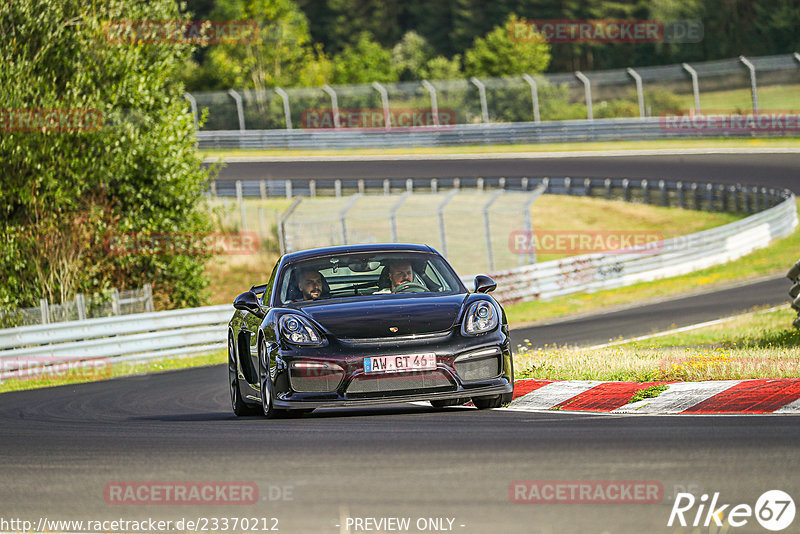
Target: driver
x,y
400,272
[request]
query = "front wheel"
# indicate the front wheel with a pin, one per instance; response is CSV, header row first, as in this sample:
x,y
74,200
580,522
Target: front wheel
x,y
240,408
267,406
496,401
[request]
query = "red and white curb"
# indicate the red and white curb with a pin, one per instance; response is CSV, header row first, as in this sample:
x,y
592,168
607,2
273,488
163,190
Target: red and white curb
x,y
762,396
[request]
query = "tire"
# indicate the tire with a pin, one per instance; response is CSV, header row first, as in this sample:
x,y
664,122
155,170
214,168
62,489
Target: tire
x,y
484,403
240,408
268,409
446,403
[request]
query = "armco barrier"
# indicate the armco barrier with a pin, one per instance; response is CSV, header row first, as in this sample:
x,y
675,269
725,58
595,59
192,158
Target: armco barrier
x,y
679,255
138,337
466,134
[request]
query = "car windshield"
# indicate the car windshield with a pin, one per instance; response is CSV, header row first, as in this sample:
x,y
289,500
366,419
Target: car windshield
x,y
357,275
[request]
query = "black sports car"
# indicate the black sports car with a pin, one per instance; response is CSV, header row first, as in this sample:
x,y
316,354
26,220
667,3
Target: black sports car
x,y
365,325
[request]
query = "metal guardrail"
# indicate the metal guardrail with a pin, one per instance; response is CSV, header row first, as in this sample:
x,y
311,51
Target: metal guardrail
x,y
794,291
468,134
27,349
675,256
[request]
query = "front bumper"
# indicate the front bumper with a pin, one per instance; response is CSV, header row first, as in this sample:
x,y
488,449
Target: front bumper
x,y
357,388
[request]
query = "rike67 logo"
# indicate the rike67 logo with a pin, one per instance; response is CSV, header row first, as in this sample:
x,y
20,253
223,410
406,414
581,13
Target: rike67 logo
x,y
774,510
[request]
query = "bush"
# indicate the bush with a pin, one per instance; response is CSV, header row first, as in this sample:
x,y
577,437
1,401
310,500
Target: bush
x,y
68,188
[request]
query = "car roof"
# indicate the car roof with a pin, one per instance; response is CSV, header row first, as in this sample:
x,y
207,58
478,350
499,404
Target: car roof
x,y
348,249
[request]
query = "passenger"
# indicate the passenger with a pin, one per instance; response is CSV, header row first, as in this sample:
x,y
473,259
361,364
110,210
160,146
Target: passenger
x,y
310,283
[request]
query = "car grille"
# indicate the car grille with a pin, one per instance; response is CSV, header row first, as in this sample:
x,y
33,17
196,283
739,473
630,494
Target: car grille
x,y
479,368
314,381
366,385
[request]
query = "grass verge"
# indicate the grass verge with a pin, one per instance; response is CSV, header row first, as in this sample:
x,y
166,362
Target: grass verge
x,y
113,370
754,345
722,142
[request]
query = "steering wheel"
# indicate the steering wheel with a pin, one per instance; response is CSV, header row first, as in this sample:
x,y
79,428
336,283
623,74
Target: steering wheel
x,y
410,287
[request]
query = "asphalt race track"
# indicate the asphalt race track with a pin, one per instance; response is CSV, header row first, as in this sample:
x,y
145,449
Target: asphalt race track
x,y
777,170
61,448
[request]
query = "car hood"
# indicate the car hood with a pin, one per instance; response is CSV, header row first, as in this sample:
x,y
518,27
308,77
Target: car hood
x,y
372,318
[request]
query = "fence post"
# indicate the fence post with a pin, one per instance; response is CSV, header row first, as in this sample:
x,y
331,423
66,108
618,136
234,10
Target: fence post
x,y
638,79
214,188
45,309
482,93
148,295
262,189
568,185
241,205
334,104
662,186
282,218
387,187
410,185
193,105
534,96
523,183
115,302
696,196
501,183
681,197
607,185
440,211
384,102
645,191
288,189
343,216
587,90
626,190
287,111
710,196
312,188
486,208
393,215
434,185
239,108
695,85
456,183
337,187
434,101
361,186
80,303
587,187
529,223
753,90
479,184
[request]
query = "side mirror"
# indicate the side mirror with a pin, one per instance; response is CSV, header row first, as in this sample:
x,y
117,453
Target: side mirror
x,y
484,284
248,302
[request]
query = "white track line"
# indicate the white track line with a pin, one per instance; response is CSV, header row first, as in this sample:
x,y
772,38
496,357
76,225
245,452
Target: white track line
x,y
685,328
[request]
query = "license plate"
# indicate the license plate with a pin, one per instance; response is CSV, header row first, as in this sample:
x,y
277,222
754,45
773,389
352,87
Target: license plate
x,y
398,364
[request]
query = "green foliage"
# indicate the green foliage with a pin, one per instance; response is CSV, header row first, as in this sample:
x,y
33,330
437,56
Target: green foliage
x,y
648,393
500,54
363,62
282,55
133,169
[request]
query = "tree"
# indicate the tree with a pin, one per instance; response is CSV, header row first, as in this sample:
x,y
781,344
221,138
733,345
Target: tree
x,y
365,61
282,55
97,144
500,54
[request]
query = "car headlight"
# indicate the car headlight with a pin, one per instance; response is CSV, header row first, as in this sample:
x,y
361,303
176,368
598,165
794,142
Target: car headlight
x,y
481,317
296,329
